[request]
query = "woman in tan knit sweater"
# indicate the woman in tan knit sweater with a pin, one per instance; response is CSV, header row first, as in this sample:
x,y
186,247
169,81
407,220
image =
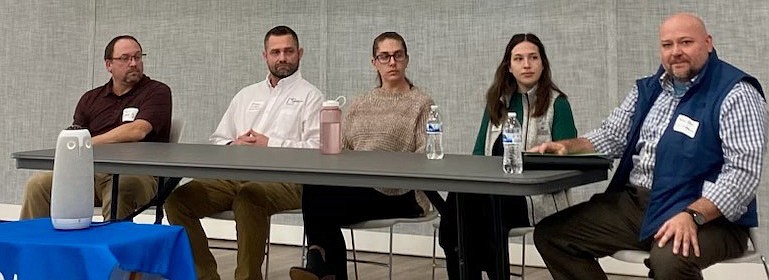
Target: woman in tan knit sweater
x,y
390,118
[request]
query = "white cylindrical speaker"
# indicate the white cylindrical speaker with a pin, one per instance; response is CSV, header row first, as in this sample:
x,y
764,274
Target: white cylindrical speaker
x,y
72,190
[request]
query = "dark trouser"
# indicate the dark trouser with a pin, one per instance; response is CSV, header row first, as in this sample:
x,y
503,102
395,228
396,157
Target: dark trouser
x,y
571,240
326,209
478,233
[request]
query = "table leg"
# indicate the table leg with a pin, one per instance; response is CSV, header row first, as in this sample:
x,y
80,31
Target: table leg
x,y
159,202
115,192
166,186
502,270
464,273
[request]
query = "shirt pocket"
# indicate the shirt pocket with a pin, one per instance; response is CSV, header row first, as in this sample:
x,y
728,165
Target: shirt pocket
x,y
288,120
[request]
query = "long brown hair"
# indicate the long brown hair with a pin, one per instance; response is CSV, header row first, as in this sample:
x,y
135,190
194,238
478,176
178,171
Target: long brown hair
x,y
505,84
389,35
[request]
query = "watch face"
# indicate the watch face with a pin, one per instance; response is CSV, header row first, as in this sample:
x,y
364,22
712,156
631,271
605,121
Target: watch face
x,y
698,218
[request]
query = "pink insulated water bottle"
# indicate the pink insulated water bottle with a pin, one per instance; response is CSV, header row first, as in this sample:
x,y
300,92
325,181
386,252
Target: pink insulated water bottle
x,y
331,127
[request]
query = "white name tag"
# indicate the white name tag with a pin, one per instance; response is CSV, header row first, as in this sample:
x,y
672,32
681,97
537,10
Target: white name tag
x,y
686,125
129,114
255,106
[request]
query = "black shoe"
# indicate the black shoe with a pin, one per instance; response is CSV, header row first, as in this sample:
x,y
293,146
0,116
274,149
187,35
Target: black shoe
x,y
316,266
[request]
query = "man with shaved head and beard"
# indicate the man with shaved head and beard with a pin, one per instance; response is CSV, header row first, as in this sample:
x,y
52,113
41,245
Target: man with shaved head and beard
x,y
691,140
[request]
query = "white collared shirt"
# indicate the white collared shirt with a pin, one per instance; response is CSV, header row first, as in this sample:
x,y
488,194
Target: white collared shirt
x,y
288,113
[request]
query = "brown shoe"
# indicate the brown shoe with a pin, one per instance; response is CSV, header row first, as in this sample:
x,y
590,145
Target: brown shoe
x,y
301,273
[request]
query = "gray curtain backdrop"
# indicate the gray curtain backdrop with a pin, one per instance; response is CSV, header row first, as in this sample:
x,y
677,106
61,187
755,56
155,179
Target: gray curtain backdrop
x,y
51,52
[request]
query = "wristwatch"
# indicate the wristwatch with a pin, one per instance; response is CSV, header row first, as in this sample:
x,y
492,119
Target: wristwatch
x,y
699,219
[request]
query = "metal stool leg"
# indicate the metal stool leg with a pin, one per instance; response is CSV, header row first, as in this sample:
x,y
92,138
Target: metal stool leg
x,y
303,260
267,254
354,256
523,258
435,233
763,259
390,261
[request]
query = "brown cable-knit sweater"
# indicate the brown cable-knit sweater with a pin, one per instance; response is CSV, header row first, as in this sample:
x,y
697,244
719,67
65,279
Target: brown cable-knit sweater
x,y
388,121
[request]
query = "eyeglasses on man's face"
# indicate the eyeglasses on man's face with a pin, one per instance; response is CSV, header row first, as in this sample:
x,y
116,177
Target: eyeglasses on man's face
x,y
127,58
385,57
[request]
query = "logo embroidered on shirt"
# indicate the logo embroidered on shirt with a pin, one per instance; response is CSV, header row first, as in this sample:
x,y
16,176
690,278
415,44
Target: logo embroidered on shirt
x,y
292,101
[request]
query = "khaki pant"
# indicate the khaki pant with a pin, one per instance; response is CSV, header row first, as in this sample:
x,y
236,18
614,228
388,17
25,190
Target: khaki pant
x,y
252,202
135,191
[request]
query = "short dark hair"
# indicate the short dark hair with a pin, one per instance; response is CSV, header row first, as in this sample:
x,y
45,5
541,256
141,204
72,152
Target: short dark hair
x,y
111,45
281,30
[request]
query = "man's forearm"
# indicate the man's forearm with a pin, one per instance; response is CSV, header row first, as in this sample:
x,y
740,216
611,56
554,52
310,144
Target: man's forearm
x,y
129,132
564,147
579,145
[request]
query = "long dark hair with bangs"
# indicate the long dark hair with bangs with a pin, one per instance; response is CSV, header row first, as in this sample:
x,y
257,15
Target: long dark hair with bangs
x,y
505,83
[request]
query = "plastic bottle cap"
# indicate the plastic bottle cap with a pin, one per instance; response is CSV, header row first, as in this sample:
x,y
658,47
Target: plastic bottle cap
x,y
330,103
433,107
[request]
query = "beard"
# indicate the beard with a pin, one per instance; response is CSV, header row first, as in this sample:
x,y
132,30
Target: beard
x,y
132,77
284,70
679,73
683,75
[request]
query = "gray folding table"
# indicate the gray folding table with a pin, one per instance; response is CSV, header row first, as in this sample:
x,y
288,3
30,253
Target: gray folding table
x,y
454,173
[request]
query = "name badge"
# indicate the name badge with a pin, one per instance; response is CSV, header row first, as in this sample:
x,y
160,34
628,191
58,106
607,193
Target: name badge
x,y
543,128
686,125
255,106
129,114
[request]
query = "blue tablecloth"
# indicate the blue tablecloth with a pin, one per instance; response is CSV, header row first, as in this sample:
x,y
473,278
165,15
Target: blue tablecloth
x,y
33,249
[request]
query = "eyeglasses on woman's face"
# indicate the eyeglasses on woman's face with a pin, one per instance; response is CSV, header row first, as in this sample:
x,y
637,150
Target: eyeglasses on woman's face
x,y
383,58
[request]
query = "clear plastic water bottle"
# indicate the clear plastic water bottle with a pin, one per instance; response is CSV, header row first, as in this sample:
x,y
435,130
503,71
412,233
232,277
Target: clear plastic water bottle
x,y
512,160
434,147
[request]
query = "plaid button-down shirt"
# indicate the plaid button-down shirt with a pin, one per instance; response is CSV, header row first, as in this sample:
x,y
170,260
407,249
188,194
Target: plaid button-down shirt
x,y
742,128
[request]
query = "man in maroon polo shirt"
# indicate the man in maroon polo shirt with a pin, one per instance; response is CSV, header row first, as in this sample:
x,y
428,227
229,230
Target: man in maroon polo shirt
x,y
131,107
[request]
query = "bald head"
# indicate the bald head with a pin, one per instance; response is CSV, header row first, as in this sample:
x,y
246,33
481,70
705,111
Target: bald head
x,y
684,21
684,45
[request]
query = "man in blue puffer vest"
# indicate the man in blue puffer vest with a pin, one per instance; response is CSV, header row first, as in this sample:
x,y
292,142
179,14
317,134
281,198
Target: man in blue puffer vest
x,y
691,140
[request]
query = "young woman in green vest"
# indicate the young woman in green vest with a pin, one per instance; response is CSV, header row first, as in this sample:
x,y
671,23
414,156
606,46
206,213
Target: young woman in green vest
x,y
522,84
